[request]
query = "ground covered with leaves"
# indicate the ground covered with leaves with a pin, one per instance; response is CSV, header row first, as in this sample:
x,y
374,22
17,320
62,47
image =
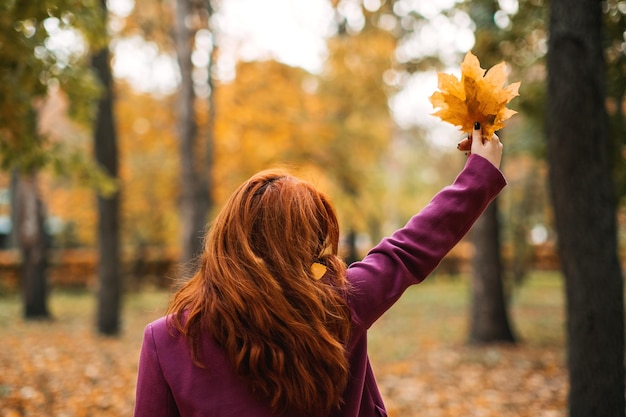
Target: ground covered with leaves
x,y
62,368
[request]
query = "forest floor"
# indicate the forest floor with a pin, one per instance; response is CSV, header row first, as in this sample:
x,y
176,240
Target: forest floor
x,y
62,368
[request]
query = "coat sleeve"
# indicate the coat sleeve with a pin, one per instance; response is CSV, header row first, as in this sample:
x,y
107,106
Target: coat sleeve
x,y
153,396
414,251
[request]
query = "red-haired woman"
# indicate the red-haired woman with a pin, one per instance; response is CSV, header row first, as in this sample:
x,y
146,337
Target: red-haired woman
x,y
272,323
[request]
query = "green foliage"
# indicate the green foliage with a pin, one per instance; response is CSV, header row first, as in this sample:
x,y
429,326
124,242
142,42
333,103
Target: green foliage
x,y
33,59
75,164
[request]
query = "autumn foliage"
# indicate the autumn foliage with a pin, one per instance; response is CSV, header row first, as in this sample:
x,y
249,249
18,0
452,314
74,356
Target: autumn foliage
x,y
476,97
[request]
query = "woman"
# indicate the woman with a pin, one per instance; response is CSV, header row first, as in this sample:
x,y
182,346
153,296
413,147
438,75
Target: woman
x,y
272,323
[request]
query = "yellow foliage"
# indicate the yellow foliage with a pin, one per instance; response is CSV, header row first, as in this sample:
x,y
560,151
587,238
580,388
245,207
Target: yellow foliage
x,y
148,171
264,119
149,167
476,97
356,127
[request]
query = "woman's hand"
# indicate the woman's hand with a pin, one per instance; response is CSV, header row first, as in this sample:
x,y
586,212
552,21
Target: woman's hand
x,y
491,150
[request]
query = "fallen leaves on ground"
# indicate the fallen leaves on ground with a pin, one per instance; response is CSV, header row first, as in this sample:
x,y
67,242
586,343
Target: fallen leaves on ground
x,y
447,381
62,368
51,369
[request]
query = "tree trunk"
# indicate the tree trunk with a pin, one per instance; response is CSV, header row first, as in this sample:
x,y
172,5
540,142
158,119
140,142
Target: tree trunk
x,y
109,271
584,209
352,254
32,241
489,322
194,198
209,153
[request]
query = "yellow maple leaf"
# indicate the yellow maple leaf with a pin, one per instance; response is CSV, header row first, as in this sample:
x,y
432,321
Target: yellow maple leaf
x,y
476,97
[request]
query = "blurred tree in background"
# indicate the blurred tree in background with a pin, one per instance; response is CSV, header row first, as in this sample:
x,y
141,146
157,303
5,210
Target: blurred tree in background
x,y
514,32
489,318
357,126
32,65
105,144
196,152
184,29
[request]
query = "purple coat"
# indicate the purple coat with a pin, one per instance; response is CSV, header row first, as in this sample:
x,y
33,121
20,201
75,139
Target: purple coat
x,y
169,384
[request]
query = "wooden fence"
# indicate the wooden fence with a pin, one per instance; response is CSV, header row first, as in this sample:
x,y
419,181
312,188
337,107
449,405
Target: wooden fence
x,y
157,267
77,268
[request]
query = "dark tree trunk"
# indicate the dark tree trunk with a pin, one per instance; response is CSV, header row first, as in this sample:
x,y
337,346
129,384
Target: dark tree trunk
x,y
33,244
584,209
109,271
194,197
489,322
352,254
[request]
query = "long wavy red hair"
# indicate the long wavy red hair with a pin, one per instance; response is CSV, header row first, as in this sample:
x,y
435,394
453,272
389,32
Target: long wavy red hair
x,y
254,292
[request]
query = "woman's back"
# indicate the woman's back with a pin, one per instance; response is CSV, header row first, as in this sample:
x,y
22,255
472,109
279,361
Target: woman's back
x,y
170,382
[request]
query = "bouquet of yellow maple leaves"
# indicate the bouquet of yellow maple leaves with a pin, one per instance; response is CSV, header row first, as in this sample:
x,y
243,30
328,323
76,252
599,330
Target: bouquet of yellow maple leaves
x,y
477,97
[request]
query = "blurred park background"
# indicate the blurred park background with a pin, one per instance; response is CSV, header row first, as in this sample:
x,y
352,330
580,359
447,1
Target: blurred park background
x,y
124,126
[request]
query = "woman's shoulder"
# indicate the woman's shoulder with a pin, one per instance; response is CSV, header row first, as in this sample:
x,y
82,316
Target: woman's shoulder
x,y
163,333
159,324
161,327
